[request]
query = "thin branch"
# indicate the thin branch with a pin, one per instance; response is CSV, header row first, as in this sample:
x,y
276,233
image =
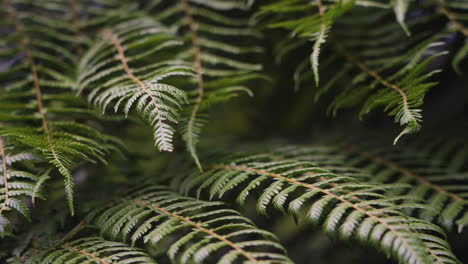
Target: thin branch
x,y
198,67
25,44
72,232
375,75
201,228
320,7
76,25
69,235
453,19
94,257
5,175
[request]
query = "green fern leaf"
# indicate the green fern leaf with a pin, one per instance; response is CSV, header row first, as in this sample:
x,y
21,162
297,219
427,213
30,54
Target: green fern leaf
x,y
205,231
345,207
142,88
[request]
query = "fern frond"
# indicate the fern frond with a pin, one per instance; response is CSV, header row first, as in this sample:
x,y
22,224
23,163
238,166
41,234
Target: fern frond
x,y
306,20
207,232
449,152
346,207
432,181
383,66
92,250
443,191
214,48
16,184
108,66
39,72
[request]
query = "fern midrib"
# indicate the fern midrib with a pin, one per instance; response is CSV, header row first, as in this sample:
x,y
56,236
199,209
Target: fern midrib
x,y
309,186
201,228
198,68
24,42
76,25
363,67
5,175
319,40
453,19
405,172
94,257
68,236
123,59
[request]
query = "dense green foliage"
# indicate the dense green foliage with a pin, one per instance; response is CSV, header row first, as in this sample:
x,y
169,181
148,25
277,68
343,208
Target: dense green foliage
x,y
126,135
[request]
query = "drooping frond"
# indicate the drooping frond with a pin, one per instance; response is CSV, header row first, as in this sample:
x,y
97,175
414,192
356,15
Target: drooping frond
x,y
383,67
306,19
201,232
219,46
35,108
90,250
344,206
16,184
126,67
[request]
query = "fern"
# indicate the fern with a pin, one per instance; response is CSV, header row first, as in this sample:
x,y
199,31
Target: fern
x,y
220,75
313,27
392,73
454,12
16,184
158,103
346,207
169,63
451,153
434,185
33,50
203,229
432,182
90,250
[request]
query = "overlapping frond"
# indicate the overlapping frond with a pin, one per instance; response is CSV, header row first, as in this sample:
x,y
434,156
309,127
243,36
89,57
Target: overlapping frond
x,y
449,152
16,184
126,67
442,190
306,19
35,109
219,45
370,61
345,207
90,250
200,231
391,72
436,184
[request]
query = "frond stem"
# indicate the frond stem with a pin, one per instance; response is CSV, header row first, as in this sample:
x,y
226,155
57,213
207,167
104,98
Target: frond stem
x,y
94,257
76,25
377,77
24,42
115,40
5,175
198,68
459,26
201,228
